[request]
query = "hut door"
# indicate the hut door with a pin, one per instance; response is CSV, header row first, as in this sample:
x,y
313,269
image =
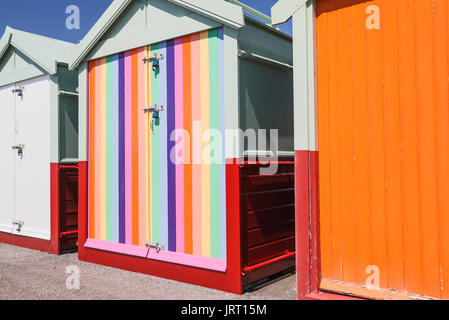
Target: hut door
x,y
146,184
7,121
32,159
384,155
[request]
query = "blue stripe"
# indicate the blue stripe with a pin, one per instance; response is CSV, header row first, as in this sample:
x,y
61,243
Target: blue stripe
x,y
223,166
163,145
115,151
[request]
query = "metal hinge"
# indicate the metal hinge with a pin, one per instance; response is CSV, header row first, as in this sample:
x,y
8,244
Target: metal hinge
x,y
19,148
19,225
155,110
19,91
154,58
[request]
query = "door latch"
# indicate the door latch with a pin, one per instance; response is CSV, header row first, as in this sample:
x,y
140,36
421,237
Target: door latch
x,y
19,91
154,110
19,148
156,246
19,225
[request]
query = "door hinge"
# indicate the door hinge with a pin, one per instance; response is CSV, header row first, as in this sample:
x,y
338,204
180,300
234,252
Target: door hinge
x,y
19,148
154,61
156,57
154,109
19,225
19,91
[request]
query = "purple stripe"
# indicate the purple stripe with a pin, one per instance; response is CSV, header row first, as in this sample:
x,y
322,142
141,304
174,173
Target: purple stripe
x,y
121,117
170,145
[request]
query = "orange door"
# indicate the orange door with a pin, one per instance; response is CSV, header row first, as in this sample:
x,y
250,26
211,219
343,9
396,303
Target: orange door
x,y
384,147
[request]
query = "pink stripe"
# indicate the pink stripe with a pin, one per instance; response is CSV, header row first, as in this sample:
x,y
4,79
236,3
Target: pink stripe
x,y
117,248
196,143
98,164
142,180
179,125
128,151
166,256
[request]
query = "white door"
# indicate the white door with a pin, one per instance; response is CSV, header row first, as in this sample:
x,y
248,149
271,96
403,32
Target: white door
x,y
32,192
7,158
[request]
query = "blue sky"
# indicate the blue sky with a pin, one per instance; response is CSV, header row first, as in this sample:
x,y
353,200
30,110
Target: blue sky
x,y
47,17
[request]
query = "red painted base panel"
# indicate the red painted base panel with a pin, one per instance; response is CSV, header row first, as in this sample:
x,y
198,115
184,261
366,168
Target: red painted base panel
x,y
205,278
306,217
26,242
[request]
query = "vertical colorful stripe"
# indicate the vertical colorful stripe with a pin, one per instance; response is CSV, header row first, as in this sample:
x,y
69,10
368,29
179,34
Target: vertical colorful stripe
x,y
159,179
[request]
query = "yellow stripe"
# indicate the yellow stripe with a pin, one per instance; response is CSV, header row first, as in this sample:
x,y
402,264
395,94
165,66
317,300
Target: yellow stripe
x,y
103,151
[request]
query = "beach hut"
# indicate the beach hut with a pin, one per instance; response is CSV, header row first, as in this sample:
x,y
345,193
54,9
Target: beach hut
x,y
38,142
165,189
371,88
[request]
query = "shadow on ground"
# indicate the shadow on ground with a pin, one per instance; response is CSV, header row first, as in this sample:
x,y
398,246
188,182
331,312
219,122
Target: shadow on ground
x,y
27,274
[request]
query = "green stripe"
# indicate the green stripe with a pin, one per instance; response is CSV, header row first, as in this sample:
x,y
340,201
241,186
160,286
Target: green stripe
x,y
156,159
214,85
109,141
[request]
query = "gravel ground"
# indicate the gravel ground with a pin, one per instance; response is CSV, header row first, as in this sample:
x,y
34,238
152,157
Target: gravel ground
x,y
30,275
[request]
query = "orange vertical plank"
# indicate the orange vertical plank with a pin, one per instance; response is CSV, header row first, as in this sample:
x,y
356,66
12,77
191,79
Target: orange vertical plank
x,y
427,150
441,68
188,206
377,148
334,159
361,146
410,181
324,137
392,145
346,141
92,149
135,147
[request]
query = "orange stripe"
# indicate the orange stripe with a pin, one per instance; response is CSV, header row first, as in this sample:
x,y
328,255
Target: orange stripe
x,y
92,149
377,150
362,165
410,182
345,114
426,146
392,146
324,136
442,101
334,158
135,147
188,218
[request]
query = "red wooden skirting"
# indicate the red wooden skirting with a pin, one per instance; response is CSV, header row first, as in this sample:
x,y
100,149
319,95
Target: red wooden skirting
x,y
26,242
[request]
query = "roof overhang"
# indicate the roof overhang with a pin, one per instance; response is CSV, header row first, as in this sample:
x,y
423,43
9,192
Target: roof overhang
x,y
26,43
218,10
283,10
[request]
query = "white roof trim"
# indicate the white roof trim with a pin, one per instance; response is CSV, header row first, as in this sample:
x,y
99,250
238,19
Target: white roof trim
x,y
219,10
98,30
4,41
28,44
283,10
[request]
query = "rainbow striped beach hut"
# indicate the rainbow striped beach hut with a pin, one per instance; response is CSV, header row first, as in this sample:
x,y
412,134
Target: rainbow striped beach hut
x,y
171,92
